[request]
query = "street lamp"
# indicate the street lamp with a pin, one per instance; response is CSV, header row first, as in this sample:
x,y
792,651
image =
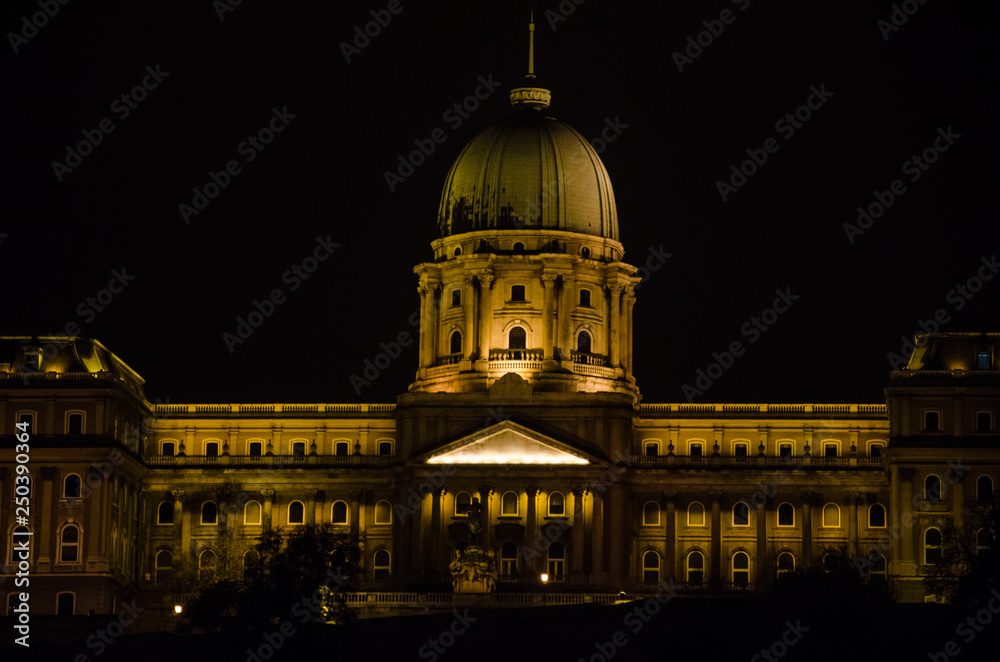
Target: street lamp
x,y
545,577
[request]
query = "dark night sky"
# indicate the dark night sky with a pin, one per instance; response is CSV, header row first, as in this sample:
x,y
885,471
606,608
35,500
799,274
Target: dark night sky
x,y
323,176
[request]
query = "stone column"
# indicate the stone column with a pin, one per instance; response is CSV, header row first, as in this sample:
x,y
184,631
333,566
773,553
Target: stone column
x,y
597,540
761,560
807,553
852,523
564,340
268,503
549,283
670,539
434,561
614,325
531,537
715,553
908,558
434,325
469,333
487,522
578,522
618,533
485,314
311,507
425,336
43,507
629,304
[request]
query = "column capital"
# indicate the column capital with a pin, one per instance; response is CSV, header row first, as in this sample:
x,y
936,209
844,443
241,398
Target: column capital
x,y
716,495
355,493
177,494
549,278
807,496
531,489
267,494
486,278
579,491
854,496
669,495
311,493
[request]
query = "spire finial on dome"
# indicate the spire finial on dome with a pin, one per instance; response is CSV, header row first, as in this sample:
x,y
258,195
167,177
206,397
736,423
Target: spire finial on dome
x,y
531,46
530,97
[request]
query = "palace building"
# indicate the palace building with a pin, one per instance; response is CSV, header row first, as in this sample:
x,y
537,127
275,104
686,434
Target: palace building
x,y
524,401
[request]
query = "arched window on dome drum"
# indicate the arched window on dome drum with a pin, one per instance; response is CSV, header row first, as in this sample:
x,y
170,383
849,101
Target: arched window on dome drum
x,y
456,342
583,342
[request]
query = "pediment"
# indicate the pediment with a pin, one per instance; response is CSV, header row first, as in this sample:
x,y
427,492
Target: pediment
x,y
508,443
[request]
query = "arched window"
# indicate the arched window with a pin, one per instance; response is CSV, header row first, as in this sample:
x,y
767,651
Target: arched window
x,y
651,514
74,423
206,564
650,567
932,546
786,563
517,338
557,562
741,568
932,488
984,489
786,515
65,602
508,504
255,448
831,515
71,487
741,514
508,559
383,513
251,559
696,514
163,565
463,501
381,564
695,568
984,541
69,544
831,562
557,504
165,513
252,513
456,342
209,513
340,513
876,516
696,450
876,566
518,247
583,342
296,513
741,451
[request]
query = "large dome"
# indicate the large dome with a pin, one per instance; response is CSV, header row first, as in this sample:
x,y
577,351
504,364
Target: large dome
x,y
529,172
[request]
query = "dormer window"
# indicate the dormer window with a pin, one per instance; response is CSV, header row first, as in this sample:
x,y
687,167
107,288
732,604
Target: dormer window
x,y
32,359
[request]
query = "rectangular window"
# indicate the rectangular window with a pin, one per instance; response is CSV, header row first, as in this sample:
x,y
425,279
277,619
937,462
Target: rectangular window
x,y
342,448
785,451
585,298
299,449
740,451
456,297
385,448
983,359
932,421
875,450
168,448
212,448
830,450
695,450
74,424
29,418
984,421
256,448
651,448
517,292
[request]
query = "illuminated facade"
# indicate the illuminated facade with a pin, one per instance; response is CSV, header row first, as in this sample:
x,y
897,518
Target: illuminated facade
x,y
523,400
